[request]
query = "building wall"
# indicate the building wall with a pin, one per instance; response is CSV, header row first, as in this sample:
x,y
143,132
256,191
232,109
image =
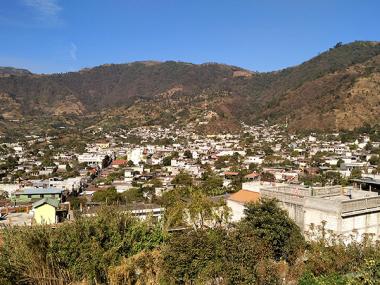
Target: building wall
x,y
237,210
25,199
296,213
366,223
316,217
45,214
360,224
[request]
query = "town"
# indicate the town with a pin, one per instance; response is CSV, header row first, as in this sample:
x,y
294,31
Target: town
x,y
331,178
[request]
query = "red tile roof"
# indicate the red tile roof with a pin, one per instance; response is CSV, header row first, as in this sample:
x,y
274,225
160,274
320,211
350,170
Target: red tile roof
x,y
231,173
252,175
119,162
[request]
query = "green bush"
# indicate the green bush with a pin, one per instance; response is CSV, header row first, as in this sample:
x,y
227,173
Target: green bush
x,y
72,252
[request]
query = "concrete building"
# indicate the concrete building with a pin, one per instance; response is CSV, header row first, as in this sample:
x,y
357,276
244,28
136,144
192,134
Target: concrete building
x,y
345,210
92,159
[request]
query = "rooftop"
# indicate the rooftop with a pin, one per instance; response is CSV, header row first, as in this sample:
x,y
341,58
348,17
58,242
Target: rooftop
x,y
244,196
38,191
43,201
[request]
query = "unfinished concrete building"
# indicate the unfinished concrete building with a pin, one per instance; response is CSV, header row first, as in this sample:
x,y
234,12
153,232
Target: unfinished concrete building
x,y
345,210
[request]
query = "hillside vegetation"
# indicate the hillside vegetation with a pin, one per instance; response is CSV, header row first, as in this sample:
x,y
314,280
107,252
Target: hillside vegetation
x,y
338,89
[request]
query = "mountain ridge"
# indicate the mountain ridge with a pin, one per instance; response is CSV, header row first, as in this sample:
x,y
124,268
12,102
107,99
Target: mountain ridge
x,y
326,92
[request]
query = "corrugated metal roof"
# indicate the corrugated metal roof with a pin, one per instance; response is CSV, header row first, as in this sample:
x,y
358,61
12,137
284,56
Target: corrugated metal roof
x,y
38,191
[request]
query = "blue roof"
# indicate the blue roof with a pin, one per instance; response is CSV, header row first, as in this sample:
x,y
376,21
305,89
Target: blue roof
x,y
39,191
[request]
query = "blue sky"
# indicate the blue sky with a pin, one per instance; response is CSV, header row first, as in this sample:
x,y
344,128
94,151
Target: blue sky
x,y
49,36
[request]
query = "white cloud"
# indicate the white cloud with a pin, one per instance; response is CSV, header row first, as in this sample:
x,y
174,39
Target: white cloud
x,y
73,51
46,12
48,8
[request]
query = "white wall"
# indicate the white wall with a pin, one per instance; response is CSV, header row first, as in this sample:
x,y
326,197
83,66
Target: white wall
x,y
237,210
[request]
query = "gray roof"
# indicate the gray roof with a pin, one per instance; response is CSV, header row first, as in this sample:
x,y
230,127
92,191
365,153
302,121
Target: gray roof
x,y
367,180
38,191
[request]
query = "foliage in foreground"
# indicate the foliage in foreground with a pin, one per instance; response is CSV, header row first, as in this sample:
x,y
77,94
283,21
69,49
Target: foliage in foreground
x,y
83,250
114,248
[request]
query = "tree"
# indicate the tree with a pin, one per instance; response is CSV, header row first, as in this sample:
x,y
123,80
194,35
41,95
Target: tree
x,y
75,202
188,154
212,184
73,252
267,176
106,161
202,212
156,182
132,195
268,150
339,162
368,146
317,159
220,162
187,255
108,196
254,167
183,179
167,160
3,195
175,154
68,167
218,256
356,173
374,160
272,225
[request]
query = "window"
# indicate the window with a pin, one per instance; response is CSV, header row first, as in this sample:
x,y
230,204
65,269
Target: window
x,y
29,196
52,196
41,195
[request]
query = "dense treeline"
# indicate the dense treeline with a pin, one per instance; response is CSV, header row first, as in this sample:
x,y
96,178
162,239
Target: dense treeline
x,y
115,248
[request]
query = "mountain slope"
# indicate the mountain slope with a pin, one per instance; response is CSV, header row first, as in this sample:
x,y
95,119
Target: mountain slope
x,y
337,89
6,71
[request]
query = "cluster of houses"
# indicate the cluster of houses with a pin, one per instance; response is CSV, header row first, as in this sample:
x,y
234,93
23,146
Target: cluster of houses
x,y
261,161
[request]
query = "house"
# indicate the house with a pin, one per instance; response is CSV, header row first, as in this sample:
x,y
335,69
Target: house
x,y
237,202
143,211
254,159
117,163
344,211
252,176
367,183
9,188
91,159
45,211
34,193
230,174
136,155
102,144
